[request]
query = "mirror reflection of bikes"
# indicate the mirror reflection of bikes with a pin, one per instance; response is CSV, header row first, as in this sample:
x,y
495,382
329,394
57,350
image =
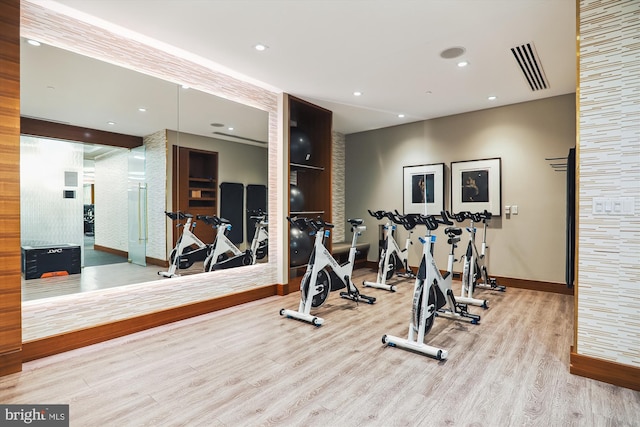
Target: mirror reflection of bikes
x,y
220,254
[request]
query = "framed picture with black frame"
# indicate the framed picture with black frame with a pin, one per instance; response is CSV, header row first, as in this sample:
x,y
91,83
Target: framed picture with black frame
x,y
476,186
423,189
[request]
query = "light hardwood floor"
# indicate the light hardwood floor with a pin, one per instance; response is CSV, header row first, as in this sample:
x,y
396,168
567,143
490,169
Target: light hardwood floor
x,y
248,366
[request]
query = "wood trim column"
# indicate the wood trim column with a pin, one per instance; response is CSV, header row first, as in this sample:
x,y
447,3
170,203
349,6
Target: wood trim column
x,y
10,284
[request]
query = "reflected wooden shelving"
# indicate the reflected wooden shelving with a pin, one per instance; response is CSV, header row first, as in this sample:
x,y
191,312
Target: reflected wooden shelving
x,y
195,185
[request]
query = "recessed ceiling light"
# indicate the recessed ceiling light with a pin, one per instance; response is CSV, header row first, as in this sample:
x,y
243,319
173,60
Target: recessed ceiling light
x,y
142,109
260,47
463,64
492,98
356,93
111,123
33,42
401,116
452,52
230,128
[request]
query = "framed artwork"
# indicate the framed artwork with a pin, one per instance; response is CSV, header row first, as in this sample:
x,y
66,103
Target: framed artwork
x,y
476,186
423,190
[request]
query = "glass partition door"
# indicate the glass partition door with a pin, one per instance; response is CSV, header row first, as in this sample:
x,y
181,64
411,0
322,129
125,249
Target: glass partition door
x,y
137,192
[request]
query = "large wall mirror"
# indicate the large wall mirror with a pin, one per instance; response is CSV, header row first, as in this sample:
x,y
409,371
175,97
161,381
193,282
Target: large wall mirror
x,y
199,131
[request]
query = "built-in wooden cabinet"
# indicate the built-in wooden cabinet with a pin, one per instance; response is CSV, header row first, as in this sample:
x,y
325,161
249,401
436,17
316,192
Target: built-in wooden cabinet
x,y
313,176
195,186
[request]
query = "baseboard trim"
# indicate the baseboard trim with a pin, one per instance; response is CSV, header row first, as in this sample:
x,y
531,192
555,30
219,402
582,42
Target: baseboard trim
x,y
282,289
125,254
112,251
371,265
606,371
158,262
510,282
60,343
534,285
10,362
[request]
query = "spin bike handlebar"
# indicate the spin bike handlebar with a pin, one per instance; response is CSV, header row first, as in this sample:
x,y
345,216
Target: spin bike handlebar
x,y
377,214
304,223
409,221
386,214
257,214
178,215
430,221
213,220
475,217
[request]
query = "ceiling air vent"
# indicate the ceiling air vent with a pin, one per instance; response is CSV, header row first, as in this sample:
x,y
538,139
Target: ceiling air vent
x,y
531,66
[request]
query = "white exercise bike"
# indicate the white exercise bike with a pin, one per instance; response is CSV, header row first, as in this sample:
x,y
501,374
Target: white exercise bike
x,y
189,248
260,243
324,274
432,294
392,258
223,253
475,273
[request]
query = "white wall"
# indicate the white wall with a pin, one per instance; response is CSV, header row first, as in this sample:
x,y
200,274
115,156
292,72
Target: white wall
x,y
111,200
530,245
46,218
157,191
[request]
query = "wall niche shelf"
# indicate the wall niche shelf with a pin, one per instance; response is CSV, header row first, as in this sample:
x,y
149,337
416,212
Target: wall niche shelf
x,y
301,167
313,176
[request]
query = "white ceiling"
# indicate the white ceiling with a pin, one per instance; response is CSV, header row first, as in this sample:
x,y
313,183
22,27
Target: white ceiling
x,y
324,50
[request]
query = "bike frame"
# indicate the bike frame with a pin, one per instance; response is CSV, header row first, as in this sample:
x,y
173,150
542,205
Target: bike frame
x,y
325,259
221,245
186,239
320,260
391,249
474,260
428,276
260,235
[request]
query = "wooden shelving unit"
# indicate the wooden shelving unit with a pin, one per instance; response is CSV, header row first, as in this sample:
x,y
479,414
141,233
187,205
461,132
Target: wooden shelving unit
x,y
313,178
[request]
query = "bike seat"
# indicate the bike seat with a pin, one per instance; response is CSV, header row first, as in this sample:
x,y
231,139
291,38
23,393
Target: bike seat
x,y
355,222
455,231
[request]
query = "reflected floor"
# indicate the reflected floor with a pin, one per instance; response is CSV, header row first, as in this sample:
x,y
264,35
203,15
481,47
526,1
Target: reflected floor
x,y
95,278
